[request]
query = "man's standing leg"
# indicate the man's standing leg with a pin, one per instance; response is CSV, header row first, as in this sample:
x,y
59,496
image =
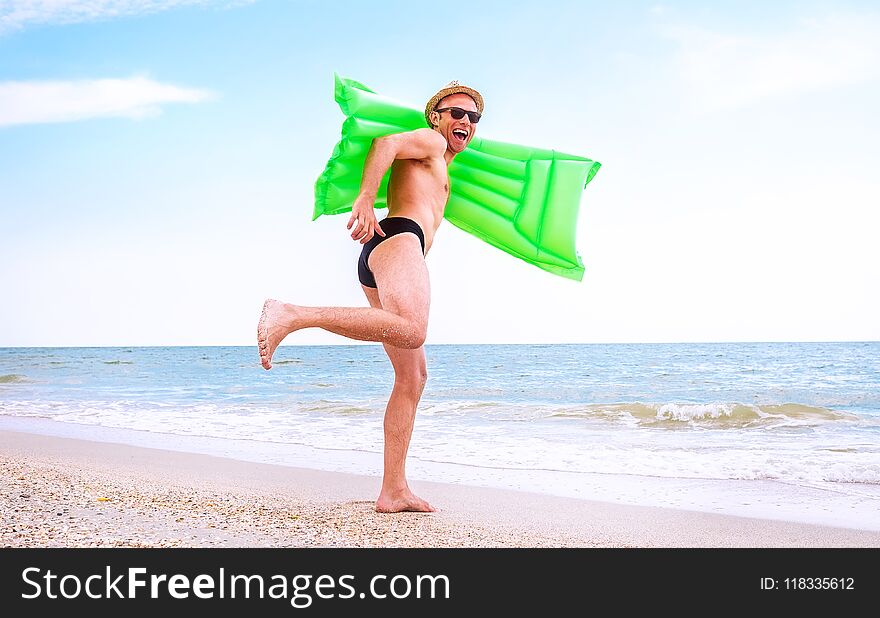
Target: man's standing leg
x,y
410,375
403,288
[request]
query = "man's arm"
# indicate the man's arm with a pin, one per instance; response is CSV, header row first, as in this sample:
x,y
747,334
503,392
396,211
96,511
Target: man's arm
x,y
417,144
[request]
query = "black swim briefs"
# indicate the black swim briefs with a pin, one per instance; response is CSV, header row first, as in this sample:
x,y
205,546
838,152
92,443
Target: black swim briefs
x,y
391,226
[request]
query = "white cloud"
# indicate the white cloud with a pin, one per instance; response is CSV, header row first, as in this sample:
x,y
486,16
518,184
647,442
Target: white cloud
x,y
16,14
723,71
30,102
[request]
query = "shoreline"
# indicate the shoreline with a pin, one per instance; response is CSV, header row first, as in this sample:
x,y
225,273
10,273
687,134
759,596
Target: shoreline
x,y
72,492
771,499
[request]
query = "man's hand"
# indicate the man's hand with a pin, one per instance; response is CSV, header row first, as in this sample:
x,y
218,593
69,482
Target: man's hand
x,y
363,217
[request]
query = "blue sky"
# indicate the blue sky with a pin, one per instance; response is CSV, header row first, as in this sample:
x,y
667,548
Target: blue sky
x,y
158,158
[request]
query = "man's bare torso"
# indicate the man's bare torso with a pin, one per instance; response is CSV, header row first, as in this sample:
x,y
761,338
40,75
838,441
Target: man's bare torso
x,y
419,189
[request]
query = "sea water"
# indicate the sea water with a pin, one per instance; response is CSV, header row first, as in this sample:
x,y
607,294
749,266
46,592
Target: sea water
x,y
780,430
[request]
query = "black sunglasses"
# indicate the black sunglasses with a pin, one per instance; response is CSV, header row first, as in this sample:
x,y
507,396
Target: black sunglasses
x,y
457,113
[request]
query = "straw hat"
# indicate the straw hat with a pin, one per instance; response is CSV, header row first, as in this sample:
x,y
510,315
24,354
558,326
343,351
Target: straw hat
x,y
452,87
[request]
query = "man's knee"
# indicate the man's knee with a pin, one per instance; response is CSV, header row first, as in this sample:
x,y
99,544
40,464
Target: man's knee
x,y
411,383
414,335
410,372
419,337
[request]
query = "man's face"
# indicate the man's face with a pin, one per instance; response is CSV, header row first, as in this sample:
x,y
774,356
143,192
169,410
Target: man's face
x,y
458,133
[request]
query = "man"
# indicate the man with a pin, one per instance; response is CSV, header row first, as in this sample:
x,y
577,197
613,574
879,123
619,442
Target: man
x,y
392,270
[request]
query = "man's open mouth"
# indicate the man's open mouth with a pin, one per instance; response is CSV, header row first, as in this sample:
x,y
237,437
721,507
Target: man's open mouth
x,y
460,134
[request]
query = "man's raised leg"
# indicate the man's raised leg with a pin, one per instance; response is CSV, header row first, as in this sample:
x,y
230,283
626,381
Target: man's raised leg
x,y
402,323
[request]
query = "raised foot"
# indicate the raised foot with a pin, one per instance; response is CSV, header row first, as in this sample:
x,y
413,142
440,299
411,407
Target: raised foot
x,y
274,325
402,501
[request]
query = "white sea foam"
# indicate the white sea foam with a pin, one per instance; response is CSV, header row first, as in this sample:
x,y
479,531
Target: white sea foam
x,y
690,412
734,441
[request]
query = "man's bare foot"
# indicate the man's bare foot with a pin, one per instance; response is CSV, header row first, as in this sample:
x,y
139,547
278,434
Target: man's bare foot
x,y
405,500
275,325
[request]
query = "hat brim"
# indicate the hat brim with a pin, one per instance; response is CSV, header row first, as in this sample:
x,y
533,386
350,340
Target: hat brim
x,y
450,90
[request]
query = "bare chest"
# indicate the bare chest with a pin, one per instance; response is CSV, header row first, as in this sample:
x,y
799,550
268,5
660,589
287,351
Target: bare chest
x,y
422,178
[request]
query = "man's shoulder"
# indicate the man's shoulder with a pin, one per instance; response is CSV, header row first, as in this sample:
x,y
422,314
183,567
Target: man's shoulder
x,y
419,144
427,132
428,136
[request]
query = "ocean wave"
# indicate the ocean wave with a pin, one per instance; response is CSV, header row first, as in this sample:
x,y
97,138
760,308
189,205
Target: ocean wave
x,y
525,437
717,414
332,408
670,415
13,378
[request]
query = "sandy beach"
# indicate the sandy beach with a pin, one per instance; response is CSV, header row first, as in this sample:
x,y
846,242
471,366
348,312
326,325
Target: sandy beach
x,y
63,492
